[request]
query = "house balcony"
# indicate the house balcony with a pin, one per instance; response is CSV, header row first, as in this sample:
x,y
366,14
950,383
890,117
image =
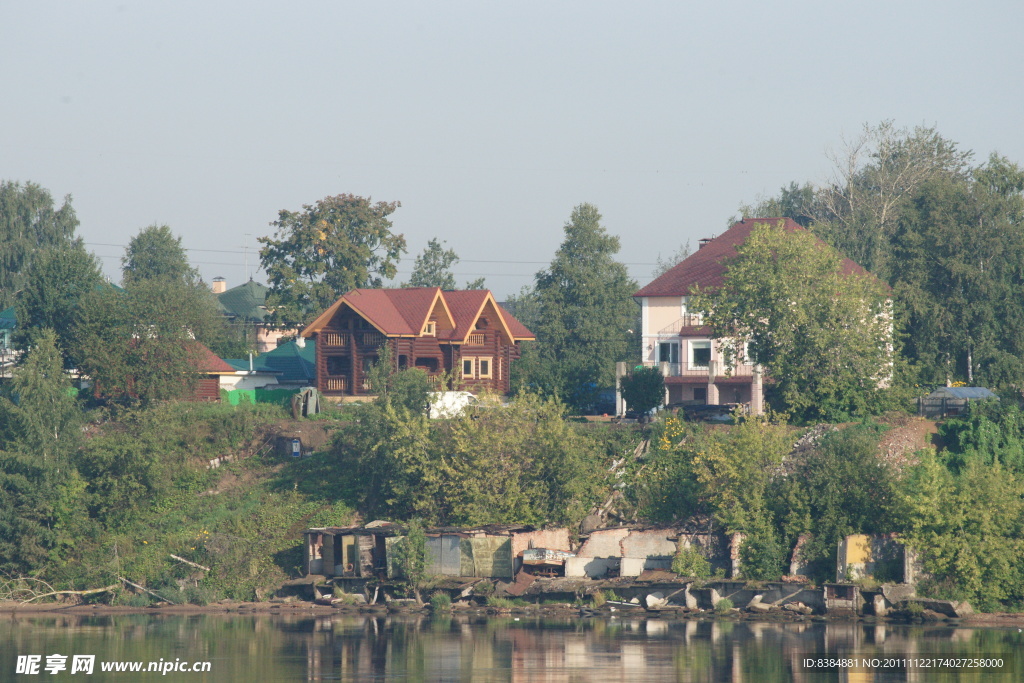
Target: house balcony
x,y
702,369
365,339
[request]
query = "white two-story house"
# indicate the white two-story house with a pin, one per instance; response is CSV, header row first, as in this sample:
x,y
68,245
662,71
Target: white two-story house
x,y
675,339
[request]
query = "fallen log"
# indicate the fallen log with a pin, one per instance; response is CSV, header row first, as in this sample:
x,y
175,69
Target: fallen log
x,y
91,591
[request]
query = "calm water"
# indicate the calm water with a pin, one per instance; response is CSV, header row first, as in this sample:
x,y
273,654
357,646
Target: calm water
x,y
402,648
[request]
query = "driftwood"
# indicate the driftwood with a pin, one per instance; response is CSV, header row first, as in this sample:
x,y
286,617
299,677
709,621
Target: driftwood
x,y
92,591
191,564
143,588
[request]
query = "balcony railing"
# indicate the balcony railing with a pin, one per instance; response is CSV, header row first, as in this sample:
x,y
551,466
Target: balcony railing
x,y
372,338
476,339
336,384
698,370
334,338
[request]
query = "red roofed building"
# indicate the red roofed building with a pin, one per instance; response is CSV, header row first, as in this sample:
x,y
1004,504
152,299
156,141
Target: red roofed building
x,y
463,332
675,339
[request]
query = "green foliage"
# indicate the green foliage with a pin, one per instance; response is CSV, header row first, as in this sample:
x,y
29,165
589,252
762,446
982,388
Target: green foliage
x,y
643,389
30,225
137,344
54,287
41,416
584,315
724,606
411,556
735,467
433,267
493,464
822,335
336,245
992,431
156,254
969,530
39,430
841,487
691,563
763,555
440,601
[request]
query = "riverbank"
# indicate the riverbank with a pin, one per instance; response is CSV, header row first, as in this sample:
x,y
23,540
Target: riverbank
x,y
294,608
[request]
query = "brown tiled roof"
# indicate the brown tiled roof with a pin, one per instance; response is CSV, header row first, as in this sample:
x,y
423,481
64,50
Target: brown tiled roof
x,y
402,312
705,268
207,361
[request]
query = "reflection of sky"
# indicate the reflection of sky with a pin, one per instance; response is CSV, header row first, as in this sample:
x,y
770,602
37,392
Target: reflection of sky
x,y
415,648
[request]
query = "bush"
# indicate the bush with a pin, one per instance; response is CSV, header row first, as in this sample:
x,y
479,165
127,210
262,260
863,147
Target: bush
x,y
440,601
723,606
689,562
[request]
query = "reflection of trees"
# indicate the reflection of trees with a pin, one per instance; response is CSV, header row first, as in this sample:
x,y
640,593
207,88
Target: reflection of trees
x,y
408,648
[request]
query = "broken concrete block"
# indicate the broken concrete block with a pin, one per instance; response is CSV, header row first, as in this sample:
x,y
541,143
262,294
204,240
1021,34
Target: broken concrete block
x,y
656,599
879,605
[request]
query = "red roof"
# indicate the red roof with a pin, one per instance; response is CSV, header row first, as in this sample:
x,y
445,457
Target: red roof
x,y
705,268
402,312
207,361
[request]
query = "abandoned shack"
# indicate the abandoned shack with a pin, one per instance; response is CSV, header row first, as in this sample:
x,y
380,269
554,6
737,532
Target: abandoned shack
x,y
492,551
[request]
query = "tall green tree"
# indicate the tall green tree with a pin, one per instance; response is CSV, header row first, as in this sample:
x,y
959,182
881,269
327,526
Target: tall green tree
x,y
29,225
57,280
824,336
960,244
156,254
326,249
875,176
585,314
39,429
433,267
138,344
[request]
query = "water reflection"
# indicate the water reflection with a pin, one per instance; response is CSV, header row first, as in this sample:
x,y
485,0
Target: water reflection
x,y
476,649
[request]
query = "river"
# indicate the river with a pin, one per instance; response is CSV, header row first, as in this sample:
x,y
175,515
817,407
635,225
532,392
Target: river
x,y
469,648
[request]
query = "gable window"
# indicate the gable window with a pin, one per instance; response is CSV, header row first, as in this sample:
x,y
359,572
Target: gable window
x,y
700,354
430,328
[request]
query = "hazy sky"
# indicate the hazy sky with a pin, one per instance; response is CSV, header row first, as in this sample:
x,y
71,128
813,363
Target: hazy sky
x,y
488,121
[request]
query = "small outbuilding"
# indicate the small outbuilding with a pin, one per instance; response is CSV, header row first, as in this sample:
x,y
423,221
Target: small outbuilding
x,y
951,401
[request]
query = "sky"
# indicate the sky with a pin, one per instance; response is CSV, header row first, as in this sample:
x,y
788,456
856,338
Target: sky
x,y
488,121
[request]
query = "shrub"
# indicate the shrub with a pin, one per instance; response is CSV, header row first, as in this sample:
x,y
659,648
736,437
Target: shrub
x,y
440,601
689,562
723,606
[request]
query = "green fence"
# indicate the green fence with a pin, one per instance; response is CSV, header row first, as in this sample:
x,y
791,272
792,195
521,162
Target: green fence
x,y
281,397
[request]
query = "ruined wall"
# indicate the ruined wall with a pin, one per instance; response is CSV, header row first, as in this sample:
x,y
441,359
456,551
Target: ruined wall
x,y
603,543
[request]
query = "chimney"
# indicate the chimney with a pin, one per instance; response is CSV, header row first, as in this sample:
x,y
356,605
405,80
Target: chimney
x,y
220,285
700,245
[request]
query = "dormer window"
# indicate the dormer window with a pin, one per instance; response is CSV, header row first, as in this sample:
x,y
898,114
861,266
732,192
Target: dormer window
x,y
430,328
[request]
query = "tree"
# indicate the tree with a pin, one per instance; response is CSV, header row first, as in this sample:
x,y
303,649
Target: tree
x,y
798,202
585,314
663,265
824,336
329,248
54,286
139,344
433,267
643,389
960,244
411,552
875,176
39,429
156,254
29,225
